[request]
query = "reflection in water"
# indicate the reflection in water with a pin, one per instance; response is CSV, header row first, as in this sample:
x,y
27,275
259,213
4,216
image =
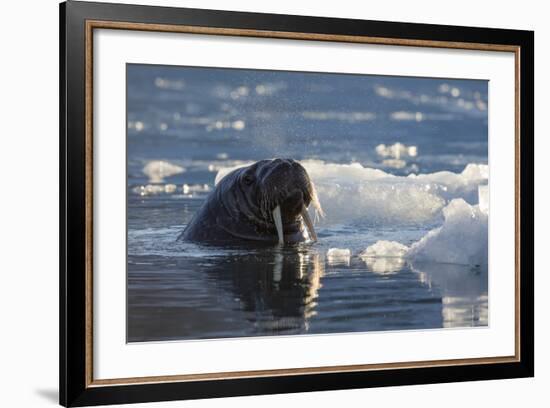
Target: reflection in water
x,y
274,291
337,256
384,265
256,292
279,288
458,310
463,290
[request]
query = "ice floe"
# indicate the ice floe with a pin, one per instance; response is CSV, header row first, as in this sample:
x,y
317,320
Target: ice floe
x,y
454,185
385,257
169,84
389,249
462,239
195,188
351,192
154,189
158,170
339,256
396,151
188,190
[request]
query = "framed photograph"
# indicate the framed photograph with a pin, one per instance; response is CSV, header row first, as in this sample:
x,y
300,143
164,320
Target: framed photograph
x,y
255,203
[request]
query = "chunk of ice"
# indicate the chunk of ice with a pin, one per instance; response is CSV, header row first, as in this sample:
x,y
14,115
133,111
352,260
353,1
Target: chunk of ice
x,y
483,192
154,189
350,192
396,151
338,256
157,170
462,239
390,249
385,257
195,188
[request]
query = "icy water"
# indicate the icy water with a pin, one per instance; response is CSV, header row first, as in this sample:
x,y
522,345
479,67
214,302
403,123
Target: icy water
x,y
400,169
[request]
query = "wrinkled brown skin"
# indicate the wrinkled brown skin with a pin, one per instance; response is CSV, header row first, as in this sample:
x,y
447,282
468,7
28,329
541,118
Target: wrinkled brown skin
x,y
239,210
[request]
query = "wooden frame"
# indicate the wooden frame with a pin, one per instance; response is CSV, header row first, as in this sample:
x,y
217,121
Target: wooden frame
x,y
77,22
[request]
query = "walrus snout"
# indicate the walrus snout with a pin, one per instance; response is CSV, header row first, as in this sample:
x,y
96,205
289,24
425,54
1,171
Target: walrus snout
x,y
292,206
288,190
287,180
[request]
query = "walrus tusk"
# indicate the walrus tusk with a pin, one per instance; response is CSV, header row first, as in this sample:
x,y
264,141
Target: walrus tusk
x,y
309,223
278,223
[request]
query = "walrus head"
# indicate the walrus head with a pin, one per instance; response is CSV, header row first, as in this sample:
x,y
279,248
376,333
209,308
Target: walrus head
x,y
273,196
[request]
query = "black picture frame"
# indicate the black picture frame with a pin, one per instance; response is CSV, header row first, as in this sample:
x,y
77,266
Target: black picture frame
x,y
75,386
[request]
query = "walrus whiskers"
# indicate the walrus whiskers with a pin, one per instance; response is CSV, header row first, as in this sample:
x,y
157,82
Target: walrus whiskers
x,y
269,200
309,224
315,202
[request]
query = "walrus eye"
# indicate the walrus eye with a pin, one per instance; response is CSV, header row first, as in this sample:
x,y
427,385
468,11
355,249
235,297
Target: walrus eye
x,y
248,179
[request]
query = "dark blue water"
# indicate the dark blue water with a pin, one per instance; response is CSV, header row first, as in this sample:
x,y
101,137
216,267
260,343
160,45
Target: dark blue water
x,y
187,124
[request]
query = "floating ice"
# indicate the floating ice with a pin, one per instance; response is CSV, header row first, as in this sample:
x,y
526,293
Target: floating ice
x,y
338,252
407,116
349,192
396,151
384,266
353,192
385,249
394,155
422,116
338,256
195,188
343,172
157,170
475,172
170,188
169,84
483,192
385,257
154,189
453,185
462,239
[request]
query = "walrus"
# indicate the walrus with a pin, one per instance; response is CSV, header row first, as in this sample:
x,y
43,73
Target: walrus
x,y
265,202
